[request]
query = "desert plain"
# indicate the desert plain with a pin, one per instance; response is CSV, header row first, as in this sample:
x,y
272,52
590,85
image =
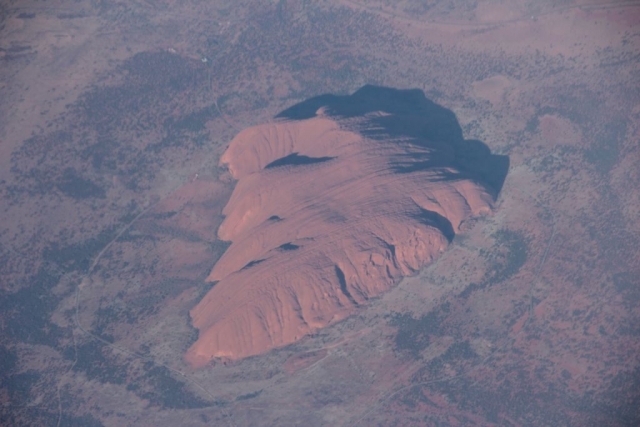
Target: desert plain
x,y
114,119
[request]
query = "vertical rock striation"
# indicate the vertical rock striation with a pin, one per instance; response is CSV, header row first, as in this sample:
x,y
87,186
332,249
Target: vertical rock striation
x,y
336,201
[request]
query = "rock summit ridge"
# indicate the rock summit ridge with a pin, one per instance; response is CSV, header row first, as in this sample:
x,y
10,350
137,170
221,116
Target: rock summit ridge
x,y
336,200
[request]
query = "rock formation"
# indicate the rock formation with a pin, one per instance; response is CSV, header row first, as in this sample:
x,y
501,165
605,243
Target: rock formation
x,y
336,201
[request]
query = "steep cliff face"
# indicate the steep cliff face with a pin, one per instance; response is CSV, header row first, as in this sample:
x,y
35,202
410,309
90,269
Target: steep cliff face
x,y
335,202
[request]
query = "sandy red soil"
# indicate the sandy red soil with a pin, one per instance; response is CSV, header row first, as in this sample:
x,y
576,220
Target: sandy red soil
x,y
114,117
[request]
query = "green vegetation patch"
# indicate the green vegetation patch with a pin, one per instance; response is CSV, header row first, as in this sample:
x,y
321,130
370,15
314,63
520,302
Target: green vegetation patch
x,y
505,259
414,334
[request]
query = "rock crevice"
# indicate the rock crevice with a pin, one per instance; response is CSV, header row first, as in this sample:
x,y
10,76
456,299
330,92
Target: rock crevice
x,y
335,202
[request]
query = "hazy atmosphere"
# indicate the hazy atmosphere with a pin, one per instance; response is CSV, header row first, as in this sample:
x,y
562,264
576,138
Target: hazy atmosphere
x,y
320,213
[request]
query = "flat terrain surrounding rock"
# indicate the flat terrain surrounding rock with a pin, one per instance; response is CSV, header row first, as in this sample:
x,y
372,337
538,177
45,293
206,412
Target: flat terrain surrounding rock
x,y
236,213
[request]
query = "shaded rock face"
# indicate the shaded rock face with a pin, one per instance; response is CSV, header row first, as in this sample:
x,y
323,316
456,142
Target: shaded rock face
x,y
336,201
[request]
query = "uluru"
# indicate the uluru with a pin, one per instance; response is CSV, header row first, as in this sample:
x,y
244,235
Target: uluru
x,y
336,200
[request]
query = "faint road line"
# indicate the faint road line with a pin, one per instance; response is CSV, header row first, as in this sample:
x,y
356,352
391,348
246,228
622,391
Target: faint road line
x,y
86,282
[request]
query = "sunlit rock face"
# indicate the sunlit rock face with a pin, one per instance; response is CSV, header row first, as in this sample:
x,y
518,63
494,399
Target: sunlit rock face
x,y
336,201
